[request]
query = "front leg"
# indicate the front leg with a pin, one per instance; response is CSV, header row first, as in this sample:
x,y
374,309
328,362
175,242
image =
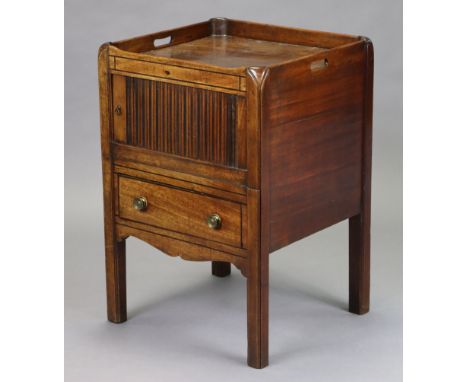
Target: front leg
x,y
257,312
116,280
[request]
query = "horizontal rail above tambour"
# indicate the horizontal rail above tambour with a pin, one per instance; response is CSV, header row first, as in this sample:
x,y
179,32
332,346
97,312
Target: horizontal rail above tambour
x,y
230,177
174,72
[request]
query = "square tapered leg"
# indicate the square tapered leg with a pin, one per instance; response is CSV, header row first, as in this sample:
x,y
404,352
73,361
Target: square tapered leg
x,y
257,315
116,282
359,264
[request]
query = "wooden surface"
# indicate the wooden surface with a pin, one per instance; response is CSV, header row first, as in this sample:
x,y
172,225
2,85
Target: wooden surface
x,y
114,248
258,231
179,210
229,177
313,143
232,51
178,73
186,250
360,225
187,182
180,120
270,127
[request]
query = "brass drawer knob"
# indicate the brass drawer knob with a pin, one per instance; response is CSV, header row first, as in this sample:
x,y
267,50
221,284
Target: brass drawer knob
x,y
140,203
214,221
118,110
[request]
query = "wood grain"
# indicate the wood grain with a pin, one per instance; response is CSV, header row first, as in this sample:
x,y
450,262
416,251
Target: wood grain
x,y
232,51
360,225
257,287
127,155
114,248
179,210
171,119
177,35
287,35
312,142
177,73
196,179
119,109
188,184
271,127
183,249
221,247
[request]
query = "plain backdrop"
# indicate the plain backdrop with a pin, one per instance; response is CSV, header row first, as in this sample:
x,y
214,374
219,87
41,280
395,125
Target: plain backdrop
x,y
184,324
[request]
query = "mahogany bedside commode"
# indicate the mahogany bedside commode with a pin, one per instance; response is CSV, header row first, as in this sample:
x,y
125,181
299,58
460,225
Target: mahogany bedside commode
x,y
231,140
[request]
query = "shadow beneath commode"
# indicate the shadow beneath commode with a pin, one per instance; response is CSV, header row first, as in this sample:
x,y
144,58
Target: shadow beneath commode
x,y
294,289
209,317
232,289
208,291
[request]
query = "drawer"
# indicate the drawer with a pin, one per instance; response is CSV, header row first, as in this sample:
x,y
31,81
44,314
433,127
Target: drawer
x,y
180,210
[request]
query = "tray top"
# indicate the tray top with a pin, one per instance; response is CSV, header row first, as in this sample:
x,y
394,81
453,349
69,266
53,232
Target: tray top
x,y
234,52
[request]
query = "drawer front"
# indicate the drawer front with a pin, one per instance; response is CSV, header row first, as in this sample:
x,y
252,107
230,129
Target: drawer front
x,y
180,210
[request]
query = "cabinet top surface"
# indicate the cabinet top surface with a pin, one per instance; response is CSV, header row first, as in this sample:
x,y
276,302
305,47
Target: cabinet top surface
x,y
234,52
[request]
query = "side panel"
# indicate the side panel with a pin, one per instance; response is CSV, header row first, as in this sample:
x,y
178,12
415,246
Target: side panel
x,y
312,124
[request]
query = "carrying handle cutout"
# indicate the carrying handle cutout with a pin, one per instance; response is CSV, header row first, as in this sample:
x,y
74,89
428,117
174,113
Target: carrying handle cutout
x,y
159,42
319,64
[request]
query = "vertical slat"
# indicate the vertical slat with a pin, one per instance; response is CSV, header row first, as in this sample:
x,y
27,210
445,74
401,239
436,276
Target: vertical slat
x,y
201,126
146,108
172,120
128,107
165,109
222,129
176,120
187,125
141,131
153,115
160,119
217,129
210,115
184,112
195,125
234,126
238,118
135,111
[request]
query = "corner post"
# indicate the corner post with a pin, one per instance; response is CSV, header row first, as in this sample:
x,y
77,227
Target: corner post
x,y
114,247
258,223
360,225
